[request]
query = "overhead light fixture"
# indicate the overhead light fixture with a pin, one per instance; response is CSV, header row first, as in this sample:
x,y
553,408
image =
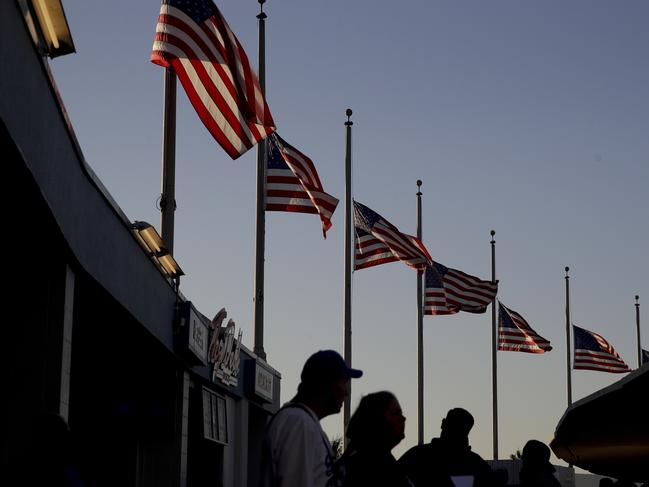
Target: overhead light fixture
x,y
44,13
150,236
54,27
153,243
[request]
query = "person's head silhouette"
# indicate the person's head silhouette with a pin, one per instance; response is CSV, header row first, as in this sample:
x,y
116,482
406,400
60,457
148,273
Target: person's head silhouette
x,y
536,460
456,425
324,382
378,422
535,453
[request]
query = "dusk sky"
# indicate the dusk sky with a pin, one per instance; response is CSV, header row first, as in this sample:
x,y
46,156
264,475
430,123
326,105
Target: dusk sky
x,y
529,118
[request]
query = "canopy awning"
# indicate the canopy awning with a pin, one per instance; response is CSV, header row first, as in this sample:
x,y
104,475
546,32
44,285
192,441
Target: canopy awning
x,y
607,433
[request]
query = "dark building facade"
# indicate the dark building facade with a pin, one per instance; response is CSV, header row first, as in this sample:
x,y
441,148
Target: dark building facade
x,y
99,334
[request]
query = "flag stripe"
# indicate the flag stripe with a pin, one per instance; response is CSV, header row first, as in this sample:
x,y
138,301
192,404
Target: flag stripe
x,y
195,47
211,105
215,72
449,291
378,242
203,72
293,185
516,335
593,352
371,252
245,74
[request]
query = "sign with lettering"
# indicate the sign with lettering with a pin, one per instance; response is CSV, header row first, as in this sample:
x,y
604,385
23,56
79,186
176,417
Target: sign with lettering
x,y
225,350
198,336
263,383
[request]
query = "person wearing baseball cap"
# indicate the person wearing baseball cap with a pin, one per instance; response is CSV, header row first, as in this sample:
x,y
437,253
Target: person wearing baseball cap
x,y
296,451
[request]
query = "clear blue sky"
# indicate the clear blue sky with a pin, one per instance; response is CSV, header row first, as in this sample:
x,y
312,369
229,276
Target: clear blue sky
x,y
530,118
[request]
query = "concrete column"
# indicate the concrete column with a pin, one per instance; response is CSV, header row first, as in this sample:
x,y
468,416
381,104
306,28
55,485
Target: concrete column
x,y
235,454
184,430
66,348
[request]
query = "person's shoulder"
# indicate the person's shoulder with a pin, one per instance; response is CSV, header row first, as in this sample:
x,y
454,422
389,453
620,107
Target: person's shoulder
x,y
295,412
479,464
415,453
477,458
293,418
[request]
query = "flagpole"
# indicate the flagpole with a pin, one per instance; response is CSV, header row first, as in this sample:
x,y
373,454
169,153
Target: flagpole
x,y
637,324
494,349
568,347
260,246
168,196
348,266
167,213
420,333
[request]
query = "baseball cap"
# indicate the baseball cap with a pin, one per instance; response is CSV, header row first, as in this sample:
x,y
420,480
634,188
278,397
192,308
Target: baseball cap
x,y
325,365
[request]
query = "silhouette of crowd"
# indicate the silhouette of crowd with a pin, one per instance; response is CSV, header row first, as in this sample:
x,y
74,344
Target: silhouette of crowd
x,y
297,452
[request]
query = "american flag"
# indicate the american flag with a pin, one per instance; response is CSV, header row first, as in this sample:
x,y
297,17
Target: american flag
x,y
593,352
195,41
516,335
448,291
379,242
292,183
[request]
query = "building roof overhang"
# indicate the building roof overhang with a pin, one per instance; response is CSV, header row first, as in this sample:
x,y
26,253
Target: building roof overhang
x,y
607,433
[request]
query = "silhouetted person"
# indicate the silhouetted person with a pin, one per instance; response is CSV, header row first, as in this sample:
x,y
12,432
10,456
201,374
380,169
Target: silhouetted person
x,y
48,461
375,428
296,451
537,471
433,464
